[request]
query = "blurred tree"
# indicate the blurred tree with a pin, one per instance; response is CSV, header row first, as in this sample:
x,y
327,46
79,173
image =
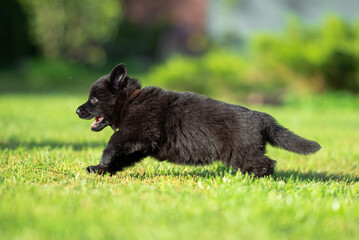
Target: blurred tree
x,y
14,35
73,29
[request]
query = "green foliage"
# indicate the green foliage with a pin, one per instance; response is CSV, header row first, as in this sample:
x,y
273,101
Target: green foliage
x,y
211,74
51,74
301,59
74,29
45,192
137,41
48,75
218,74
327,57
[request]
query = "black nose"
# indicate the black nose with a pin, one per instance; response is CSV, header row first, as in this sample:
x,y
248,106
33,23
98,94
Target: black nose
x,y
79,110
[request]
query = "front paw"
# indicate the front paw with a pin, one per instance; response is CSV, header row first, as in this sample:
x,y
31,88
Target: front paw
x,y
96,169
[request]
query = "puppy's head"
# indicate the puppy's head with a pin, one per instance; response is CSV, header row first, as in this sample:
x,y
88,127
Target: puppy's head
x,y
107,91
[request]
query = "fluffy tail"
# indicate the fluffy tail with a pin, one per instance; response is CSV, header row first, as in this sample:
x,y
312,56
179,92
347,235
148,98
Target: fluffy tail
x,y
279,136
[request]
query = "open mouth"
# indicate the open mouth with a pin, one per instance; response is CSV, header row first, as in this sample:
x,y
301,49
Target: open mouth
x,y
97,121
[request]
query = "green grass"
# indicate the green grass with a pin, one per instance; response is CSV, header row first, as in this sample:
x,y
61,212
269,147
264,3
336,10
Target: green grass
x,y
45,192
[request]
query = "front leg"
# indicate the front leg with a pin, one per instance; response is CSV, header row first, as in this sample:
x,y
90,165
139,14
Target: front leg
x,y
95,169
120,152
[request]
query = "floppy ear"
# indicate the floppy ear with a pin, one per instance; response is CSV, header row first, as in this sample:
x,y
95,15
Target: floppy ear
x,y
117,76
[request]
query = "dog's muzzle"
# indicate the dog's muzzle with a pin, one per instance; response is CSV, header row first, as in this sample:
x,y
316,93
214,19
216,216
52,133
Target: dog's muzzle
x,y
80,111
83,113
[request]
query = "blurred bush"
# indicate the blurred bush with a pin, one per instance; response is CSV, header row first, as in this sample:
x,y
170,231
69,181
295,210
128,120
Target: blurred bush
x,y
40,75
48,76
44,74
301,59
316,58
74,30
221,74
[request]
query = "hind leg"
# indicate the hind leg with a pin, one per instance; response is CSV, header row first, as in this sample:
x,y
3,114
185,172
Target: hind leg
x,y
259,166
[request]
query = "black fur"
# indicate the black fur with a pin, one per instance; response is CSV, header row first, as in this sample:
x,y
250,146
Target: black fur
x,y
183,128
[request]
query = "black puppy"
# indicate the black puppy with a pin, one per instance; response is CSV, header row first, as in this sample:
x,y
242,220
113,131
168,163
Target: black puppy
x,y
183,128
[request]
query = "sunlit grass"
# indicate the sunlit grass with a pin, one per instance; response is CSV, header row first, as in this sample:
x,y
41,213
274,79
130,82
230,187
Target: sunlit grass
x,y
45,192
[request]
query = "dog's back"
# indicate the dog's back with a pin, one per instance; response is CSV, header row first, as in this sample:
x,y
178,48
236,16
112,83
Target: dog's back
x,y
198,130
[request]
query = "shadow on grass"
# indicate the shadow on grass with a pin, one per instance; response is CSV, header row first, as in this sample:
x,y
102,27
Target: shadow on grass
x,y
212,171
313,176
183,171
220,171
13,144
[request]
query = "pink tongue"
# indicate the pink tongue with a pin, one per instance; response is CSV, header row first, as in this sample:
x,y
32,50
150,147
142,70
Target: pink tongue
x,y
96,120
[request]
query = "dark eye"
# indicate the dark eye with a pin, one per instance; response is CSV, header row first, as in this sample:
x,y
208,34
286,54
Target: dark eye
x,y
93,100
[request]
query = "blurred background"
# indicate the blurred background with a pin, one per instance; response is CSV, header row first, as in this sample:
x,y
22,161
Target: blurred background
x,y
256,51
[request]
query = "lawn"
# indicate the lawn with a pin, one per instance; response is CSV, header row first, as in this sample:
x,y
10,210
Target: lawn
x,y
45,192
